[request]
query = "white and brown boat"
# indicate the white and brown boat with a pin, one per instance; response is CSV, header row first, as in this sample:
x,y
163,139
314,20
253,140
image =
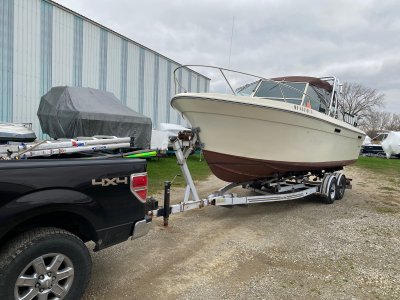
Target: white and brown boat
x,y
273,127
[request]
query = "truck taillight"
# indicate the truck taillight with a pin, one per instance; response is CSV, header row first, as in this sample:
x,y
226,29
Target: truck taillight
x,y
139,186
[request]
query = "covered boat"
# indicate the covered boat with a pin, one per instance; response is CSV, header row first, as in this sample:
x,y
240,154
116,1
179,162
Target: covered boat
x,y
391,144
273,127
16,132
70,112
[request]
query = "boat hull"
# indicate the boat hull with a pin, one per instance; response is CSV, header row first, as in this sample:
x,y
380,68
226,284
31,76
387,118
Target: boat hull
x,y
242,169
248,138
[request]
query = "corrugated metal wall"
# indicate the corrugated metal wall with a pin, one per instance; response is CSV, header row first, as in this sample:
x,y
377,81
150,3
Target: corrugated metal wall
x,y
162,96
91,55
43,44
6,57
148,83
63,38
27,65
132,76
114,65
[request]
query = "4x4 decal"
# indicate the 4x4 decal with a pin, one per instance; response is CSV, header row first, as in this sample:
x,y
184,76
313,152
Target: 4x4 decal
x,y
110,181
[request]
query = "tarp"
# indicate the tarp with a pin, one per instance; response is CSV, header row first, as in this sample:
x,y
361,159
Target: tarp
x,y
391,145
69,112
367,140
171,129
159,140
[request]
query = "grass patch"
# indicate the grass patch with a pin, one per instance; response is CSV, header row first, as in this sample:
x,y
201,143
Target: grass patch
x,y
379,165
160,170
385,210
388,188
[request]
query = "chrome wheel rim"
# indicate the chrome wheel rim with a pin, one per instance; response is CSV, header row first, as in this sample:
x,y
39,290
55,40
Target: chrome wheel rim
x,y
47,277
333,191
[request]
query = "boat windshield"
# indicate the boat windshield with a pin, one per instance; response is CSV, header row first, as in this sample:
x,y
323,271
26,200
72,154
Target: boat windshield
x,y
247,89
300,93
291,92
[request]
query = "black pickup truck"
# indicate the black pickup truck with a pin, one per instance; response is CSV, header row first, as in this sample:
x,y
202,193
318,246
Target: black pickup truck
x,y
50,208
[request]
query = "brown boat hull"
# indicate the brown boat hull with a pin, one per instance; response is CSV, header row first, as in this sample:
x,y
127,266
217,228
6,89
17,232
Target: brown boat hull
x,y
238,169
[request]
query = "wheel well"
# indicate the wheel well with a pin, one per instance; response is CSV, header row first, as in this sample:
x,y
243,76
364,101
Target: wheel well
x,y
64,220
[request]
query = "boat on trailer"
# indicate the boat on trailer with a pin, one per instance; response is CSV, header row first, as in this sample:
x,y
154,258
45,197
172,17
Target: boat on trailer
x,y
278,127
326,186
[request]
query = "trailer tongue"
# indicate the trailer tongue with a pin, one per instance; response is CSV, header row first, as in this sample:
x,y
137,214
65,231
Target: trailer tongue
x,y
329,186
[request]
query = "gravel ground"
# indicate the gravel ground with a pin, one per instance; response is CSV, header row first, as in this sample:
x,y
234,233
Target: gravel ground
x,y
297,249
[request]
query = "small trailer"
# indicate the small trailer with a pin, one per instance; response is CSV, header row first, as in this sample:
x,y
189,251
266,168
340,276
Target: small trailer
x,y
329,186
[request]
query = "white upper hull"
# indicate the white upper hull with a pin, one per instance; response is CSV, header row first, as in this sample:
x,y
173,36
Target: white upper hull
x,y
269,130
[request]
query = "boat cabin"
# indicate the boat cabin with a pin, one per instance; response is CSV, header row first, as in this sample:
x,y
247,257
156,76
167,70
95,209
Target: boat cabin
x,y
319,94
316,93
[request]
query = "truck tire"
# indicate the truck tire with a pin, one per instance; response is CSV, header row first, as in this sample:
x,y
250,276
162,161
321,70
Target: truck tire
x,y
44,263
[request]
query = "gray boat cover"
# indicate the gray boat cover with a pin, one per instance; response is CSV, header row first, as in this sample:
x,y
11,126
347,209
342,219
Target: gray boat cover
x,y
69,112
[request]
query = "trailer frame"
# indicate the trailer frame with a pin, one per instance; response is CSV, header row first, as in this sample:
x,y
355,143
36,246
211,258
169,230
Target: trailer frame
x,y
328,185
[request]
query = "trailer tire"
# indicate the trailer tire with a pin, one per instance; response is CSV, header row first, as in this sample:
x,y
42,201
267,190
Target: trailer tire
x,y
44,261
340,186
329,193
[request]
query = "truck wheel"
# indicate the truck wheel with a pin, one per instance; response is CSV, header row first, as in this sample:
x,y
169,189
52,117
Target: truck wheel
x,y
44,263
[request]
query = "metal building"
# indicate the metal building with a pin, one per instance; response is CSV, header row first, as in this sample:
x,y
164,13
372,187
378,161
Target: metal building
x,y
43,44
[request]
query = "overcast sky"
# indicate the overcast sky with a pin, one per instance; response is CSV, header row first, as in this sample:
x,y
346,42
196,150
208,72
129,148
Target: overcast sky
x,y
357,41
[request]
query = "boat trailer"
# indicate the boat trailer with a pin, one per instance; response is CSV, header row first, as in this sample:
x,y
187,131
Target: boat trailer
x,y
328,186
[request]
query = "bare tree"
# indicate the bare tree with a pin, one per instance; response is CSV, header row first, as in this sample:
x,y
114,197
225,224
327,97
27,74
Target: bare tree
x,y
375,122
359,100
394,122
379,121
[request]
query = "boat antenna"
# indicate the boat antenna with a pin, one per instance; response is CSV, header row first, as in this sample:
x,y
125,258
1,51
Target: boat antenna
x,y
230,47
230,51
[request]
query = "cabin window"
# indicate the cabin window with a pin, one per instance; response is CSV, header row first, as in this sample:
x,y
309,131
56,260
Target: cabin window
x,y
291,92
317,98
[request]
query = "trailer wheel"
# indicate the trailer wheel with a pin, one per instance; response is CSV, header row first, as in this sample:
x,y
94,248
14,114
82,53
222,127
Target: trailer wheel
x,y
44,263
329,192
340,186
